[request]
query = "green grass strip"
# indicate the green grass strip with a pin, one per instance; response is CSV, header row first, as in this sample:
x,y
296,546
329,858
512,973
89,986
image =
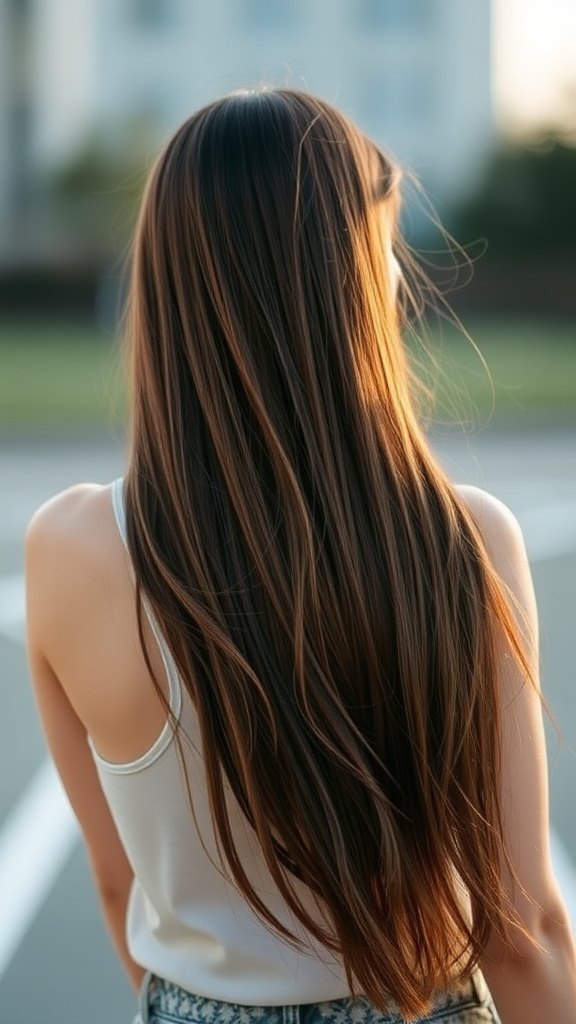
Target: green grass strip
x,y
59,376
67,376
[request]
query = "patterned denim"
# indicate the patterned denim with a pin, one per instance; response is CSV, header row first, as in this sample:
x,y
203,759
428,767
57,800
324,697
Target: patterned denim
x,y
161,1002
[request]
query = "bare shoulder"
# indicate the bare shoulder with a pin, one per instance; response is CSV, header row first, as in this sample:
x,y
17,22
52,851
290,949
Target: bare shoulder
x,y
72,517
72,534
499,528
504,543
495,520
72,548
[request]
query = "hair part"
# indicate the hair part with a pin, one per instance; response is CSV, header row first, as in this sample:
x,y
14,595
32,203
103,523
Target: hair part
x,y
323,590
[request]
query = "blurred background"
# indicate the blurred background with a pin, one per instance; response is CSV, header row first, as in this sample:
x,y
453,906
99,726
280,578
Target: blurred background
x,y
478,99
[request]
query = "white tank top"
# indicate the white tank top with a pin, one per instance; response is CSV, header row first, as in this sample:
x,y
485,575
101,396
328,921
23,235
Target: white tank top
x,y
186,920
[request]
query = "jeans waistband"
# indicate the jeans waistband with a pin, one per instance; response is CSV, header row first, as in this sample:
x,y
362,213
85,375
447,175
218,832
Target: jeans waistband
x,y
161,1000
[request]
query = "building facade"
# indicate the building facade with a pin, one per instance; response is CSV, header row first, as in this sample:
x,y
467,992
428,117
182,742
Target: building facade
x,y
415,74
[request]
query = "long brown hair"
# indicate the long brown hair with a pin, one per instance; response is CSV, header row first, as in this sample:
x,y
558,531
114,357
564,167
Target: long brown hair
x,y
322,588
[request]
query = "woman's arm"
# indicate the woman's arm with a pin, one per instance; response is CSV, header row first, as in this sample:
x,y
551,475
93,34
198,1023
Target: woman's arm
x,y
50,559
532,982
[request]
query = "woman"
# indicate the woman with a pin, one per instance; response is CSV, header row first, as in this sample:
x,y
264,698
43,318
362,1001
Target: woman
x,y
286,669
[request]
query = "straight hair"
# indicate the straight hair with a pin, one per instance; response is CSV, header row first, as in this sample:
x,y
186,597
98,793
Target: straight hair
x,y
323,589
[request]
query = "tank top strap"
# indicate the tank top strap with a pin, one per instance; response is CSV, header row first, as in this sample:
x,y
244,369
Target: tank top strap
x,y
120,511
175,690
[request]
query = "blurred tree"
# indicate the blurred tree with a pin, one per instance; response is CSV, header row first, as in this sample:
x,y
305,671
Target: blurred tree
x,y
92,202
526,207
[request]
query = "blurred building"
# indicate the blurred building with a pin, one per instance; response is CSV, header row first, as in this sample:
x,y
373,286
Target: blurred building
x,y
76,74
17,119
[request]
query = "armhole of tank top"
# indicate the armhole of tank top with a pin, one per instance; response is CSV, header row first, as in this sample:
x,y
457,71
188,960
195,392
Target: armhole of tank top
x,y
174,687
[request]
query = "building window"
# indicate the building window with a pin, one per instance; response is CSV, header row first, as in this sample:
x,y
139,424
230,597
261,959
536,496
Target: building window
x,y
394,14
269,15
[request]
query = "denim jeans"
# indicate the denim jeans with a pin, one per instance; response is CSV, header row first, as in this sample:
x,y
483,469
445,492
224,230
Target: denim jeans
x,y
161,1002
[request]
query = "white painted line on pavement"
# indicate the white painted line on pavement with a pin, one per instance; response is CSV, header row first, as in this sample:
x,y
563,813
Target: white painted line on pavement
x,y
36,839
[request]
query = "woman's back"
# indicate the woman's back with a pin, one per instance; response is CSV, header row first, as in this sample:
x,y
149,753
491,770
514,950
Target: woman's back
x,y
187,905
339,616
89,587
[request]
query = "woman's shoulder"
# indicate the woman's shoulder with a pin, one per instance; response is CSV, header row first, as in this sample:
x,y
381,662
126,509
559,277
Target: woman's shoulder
x,y
73,532
82,621
72,551
504,543
75,516
497,523
488,510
